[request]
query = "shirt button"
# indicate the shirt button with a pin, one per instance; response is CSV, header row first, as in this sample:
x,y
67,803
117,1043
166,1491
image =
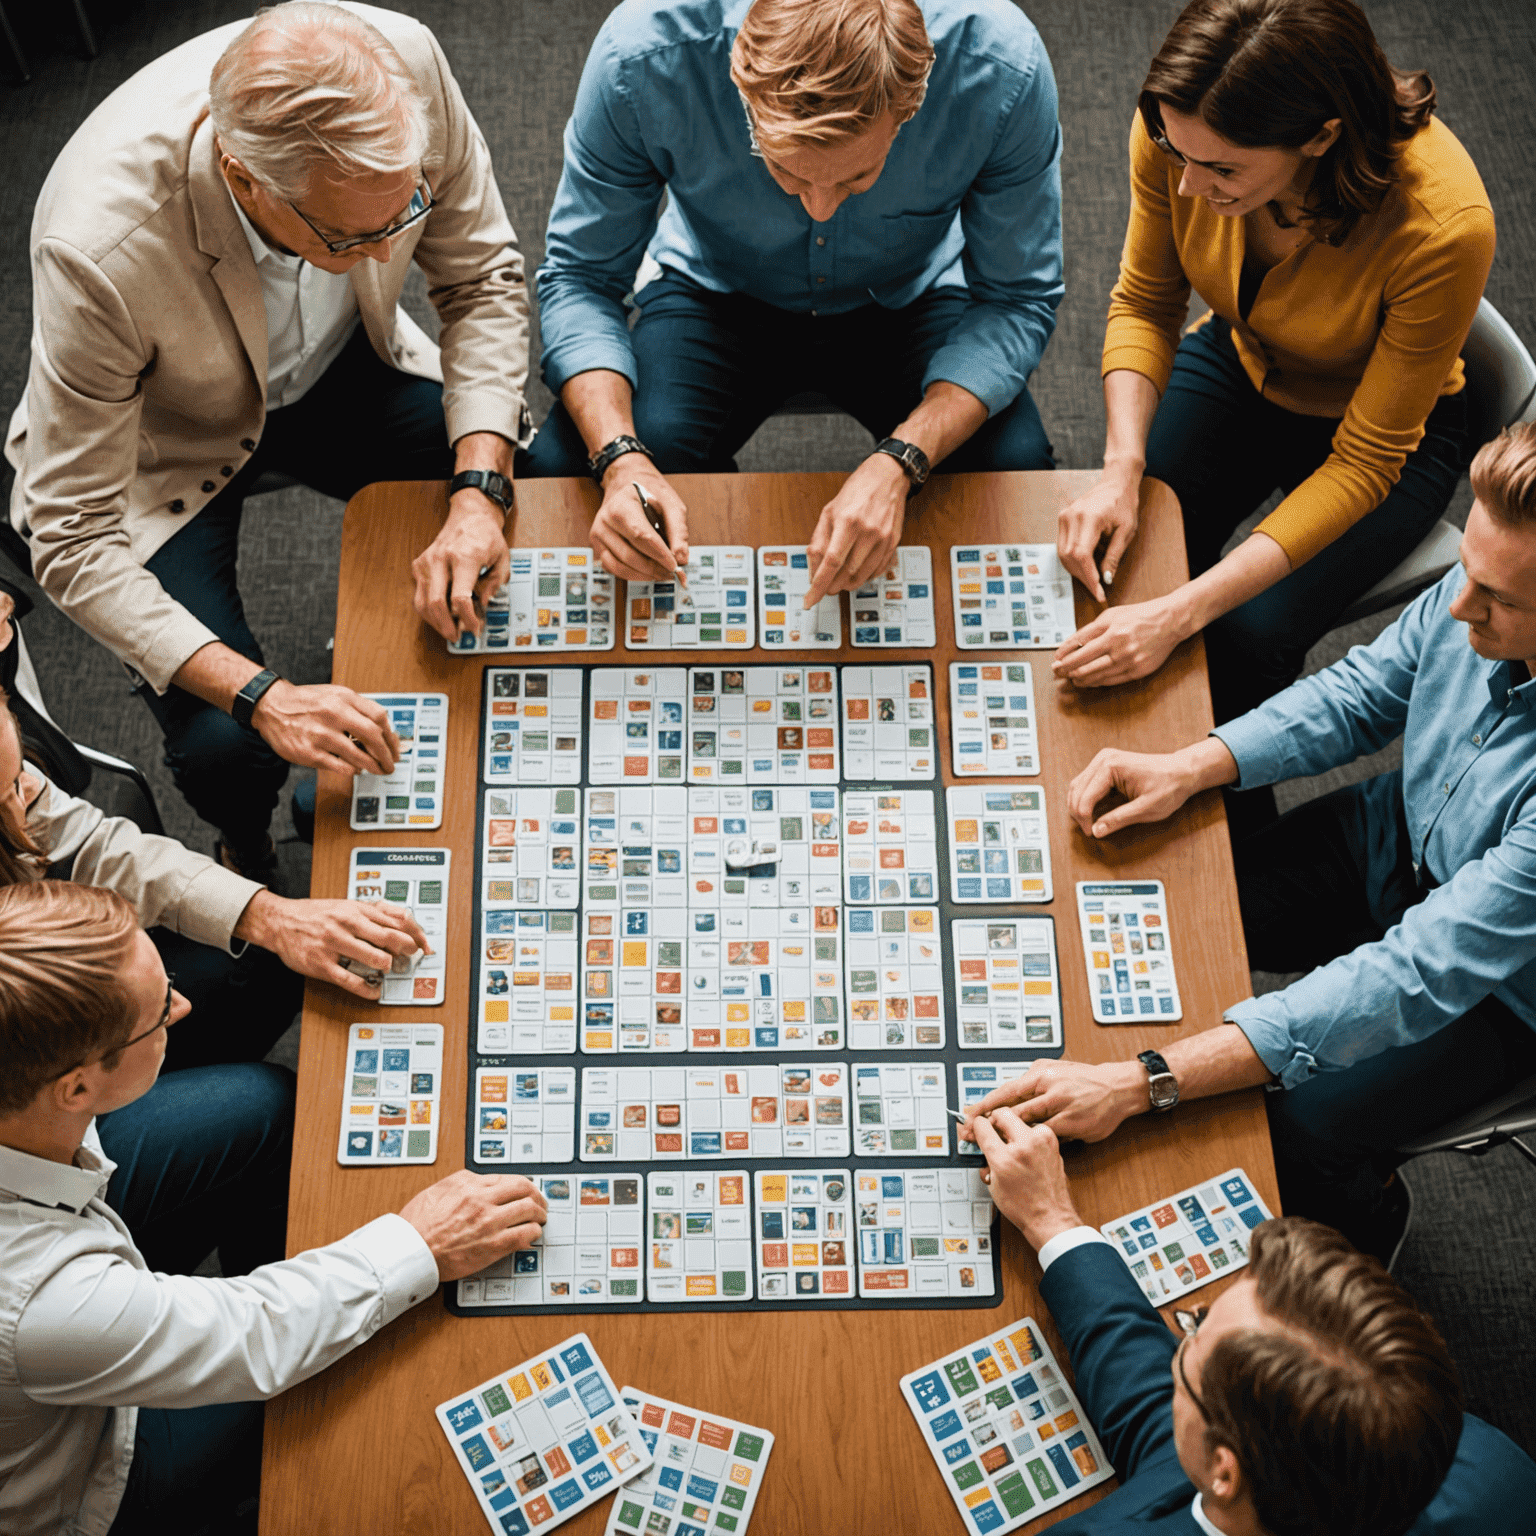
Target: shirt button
x,y
821,279
208,485
814,313
1446,786
821,239
1477,741
178,505
249,444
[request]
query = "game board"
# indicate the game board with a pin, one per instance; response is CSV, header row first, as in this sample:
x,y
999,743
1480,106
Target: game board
x,y
411,796
554,600
711,608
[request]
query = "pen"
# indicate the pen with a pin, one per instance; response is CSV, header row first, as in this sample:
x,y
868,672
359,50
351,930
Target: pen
x,y
653,517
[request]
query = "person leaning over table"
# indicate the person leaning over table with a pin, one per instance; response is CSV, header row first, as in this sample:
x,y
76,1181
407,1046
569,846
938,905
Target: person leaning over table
x,y
863,198
1314,1396
130,1390
1341,237
217,261
1409,898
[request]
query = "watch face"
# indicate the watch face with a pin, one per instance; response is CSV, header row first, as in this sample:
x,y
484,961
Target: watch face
x,y
1165,1091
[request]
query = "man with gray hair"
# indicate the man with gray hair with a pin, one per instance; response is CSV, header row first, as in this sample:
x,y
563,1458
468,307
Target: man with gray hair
x,y
217,259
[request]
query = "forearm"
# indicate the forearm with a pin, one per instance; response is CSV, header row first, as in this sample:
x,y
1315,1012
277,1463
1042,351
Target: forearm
x,y
1130,402
600,402
1253,567
215,674
1218,1060
484,450
948,415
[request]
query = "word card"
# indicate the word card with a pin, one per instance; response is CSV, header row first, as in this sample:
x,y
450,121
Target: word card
x,y
411,796
925,1231
588,1250
804,1234
890,847
416,878
999,847
632,980
389,1107
1007,989
529,839
992,719
713,609
783,580
1128,950
528,992
637,726
762,725
1010,1438
706,1474
636,846
554,599
700,1236
899,1109
975,1080
541,1442
896,607
895,979
1011,596
525,1115
1180,1244
533,726
888,722
638,1114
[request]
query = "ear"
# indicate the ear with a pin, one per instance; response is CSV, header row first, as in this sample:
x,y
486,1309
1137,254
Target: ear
x,y
1324,139
236,174
73,1093
1225,1473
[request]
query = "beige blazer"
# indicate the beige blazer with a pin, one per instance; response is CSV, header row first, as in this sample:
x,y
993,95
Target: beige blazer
x,y
147,388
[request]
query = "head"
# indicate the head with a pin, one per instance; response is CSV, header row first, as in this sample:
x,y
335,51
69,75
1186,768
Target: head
x,y
321,132
827,85
1316,1396
1282,101
1498,550
20,858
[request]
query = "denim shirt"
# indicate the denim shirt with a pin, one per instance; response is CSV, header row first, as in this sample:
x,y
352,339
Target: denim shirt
x,y
1469,770
970,195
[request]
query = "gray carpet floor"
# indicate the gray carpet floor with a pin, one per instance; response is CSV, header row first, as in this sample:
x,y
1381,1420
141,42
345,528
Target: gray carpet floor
x,y
1472,1249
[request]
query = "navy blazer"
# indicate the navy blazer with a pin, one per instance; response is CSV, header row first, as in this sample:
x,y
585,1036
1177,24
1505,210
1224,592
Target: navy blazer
x,y
1122,1353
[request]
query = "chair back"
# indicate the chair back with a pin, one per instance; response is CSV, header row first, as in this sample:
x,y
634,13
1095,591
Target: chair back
x,y
1501,376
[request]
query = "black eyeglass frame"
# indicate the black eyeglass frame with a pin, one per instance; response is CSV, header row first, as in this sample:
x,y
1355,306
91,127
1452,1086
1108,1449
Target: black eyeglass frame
x,y
165,1019
414,215
1178,1363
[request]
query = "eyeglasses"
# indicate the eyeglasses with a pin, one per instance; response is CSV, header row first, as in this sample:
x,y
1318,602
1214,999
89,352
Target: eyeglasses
x,y
1178,1362
1158,137
420,205
164,1020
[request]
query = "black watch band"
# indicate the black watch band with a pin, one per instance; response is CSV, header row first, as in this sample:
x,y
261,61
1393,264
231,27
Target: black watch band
x,y
497,487
910,457
1162,1085
250,696
597,465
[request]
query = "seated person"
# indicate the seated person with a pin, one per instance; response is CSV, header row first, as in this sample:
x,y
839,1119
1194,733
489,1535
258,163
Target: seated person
x,y
1410,893
131,1394
217,261
1341,236
1314,1396
862,199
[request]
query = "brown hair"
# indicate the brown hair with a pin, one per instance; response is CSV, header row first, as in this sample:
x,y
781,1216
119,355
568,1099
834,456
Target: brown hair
x,y
1268,74
62,999
1345,1419
1504,475
20,858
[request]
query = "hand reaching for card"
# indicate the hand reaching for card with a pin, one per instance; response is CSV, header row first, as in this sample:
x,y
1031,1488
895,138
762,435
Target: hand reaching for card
x,y
313,937
622,535
859,528
322,725
470,1220
1028,1178
1155,785
1078,1100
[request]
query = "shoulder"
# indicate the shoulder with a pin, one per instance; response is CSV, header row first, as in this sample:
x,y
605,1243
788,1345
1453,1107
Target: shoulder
x,y
1438,194
637,32
992,34
1490,1482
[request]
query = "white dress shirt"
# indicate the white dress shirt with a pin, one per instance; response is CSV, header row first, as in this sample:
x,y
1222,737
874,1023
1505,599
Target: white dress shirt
x,y
88,1335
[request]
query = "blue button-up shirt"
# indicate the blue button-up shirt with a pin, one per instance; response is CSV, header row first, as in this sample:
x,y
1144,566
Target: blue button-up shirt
x,y
970,195
1469,773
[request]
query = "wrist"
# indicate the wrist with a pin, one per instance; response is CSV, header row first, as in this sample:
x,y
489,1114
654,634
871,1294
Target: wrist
x,y
1125,468
259,922
1051,1223
268,702
1208,764
1128,1089
625,469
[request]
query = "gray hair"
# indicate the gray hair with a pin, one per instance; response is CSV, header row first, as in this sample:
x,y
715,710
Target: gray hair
x,y
310,83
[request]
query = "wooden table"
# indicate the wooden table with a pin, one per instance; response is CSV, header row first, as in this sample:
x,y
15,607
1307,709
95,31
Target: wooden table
x,y
358,1448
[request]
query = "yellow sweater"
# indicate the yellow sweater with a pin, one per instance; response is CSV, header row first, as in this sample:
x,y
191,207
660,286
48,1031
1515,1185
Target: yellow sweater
x,y
1370,331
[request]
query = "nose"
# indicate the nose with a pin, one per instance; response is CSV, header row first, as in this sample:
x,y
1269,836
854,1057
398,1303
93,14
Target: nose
x,y
822,202
379,251
1195,182
180,1008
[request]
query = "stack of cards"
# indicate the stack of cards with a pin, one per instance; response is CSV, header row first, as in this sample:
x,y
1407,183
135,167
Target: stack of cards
x,y
895,979
525,1115
389,1105
528,991
714,609
700,1236
1010,596
416,878
1007,987
554,599
890,847
637,726
999,848
888,722
804,1234
1129,951
528,848
783,580
992,719
533,726
411,796
899,1110
896,607
925,1232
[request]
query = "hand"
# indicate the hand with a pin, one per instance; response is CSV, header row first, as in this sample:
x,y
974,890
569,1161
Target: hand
x,y
320,725
1078,1100
859,529
448,576
1027,1175
622,536
1120,645
313,936
1109,512
470,1220
1155,785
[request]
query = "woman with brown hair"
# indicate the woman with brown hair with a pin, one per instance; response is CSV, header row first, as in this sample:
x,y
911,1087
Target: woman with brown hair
x,y
1341,237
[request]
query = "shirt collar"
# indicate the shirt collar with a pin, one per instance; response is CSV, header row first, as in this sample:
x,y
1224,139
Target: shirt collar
x,y
260,250
1509,683
1197,1509
66,1186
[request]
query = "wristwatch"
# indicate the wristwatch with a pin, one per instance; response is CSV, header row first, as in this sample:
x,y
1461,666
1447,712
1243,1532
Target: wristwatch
x,y
250,696
497,487
910,457
597,465
1162,1085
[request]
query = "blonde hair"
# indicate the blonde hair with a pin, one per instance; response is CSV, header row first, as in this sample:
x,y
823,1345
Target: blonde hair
x,y
1504,474
309,84
815,72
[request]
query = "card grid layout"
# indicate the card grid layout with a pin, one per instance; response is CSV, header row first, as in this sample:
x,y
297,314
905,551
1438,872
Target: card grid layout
x,y
1128,949
528,993
411,796
1010,597
888,723
392,1094
999,844
416,878
533,726
762,725
992,728
554,600
637,725
895,978
900,1109
700,1245
528,852
783,581
1007,982
713,607
525,1114
895,608
926,1232
804,1233
890,847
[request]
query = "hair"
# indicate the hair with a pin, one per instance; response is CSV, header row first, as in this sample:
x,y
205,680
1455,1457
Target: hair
x,y
817,72
1269,74
1504,475
309,84
21,859
1346,1418
63,948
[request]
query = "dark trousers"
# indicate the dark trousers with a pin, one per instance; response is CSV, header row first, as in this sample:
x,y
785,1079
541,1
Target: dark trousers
x,y
1331,875
202,1163
714,366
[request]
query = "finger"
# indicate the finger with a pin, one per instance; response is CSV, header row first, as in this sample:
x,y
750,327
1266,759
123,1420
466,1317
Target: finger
x,y
1025,1086
1076,552
516,1239
464,577
829,572
1087,790
1119,542
487,585
1089,642
986,1137
1099,672
401,925
504,1188
354,947
1133,812
348,981
519,1213
648,545
436,610
676,518
873,565
1053,1101
1008,1124
629,562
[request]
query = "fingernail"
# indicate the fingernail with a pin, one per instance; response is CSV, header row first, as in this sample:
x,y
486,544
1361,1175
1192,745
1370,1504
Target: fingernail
x,y
1109,578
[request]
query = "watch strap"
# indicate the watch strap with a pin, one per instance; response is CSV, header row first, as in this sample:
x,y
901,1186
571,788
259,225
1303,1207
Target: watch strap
x,y
911,458
245,702
490,484
597,465
1158,1068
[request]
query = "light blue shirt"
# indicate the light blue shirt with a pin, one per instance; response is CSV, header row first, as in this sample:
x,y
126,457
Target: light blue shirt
x,y
970,195
1469,772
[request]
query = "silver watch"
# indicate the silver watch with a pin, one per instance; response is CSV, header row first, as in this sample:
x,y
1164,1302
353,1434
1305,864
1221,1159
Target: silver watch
x,y
1162,1085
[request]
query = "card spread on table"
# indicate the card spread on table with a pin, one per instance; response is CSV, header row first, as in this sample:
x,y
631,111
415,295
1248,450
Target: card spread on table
x,y
713,609
925,1231
588,1251
888,730
700,1246
1128,950
783,580
391,1094
554,599
533,725
896,607
529,840
895,978
416,878
411,796
1010,596
890,847
992,719
707,1471
762,725
1007,985
1010,1438
999,848
637,725
1177,1245
804,1234
528,991
899,1108
525,1115
544,1440
975,1080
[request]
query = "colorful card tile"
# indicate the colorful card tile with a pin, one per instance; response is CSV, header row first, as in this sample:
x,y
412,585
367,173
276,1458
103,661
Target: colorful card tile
x,y
1007,984
391,1094
895,975
525,1115
416,878
762,725
528,853
1128,949
975,1080
992,727
554,600
636,847
925,1232
637,725
804,1234
411,796
632,966
888,729
528,990
764,847
700,1246
896,607
999,845
533,725
890,847
783,580
714,609
1010,597
900,1109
